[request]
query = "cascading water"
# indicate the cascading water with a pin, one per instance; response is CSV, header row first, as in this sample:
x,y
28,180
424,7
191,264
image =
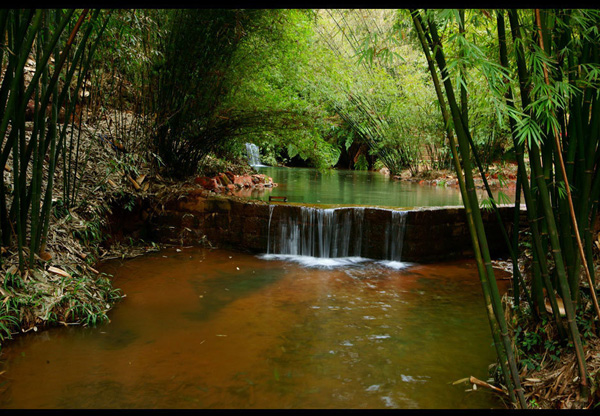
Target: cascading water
x,y
395,235
253,154
329,237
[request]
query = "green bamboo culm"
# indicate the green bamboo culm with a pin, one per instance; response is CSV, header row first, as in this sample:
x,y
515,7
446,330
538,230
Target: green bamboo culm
x,y
426,44
545,204
39,35
491,295
540,269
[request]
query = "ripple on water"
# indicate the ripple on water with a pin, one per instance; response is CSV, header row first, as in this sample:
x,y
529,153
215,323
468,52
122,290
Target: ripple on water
x,y
296,338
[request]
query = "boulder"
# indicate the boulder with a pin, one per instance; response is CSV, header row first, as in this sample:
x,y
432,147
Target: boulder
x,y
244,181
202,180
224,179
210,184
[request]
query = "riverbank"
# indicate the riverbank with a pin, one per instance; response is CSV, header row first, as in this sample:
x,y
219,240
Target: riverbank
x,y
500,175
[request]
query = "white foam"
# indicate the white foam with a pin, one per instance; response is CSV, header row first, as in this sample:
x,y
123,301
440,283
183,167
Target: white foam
x,y
393,264
317,262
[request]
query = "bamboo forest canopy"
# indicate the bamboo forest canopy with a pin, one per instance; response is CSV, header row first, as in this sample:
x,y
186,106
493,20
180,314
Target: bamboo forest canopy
x,y
324,88
320,88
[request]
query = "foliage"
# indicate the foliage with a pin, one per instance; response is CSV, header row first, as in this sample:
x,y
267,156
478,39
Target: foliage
x,y
54,86
560,200
194,84
275,81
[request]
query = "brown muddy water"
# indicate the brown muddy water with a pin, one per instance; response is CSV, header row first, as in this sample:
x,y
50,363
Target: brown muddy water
x,y
221,329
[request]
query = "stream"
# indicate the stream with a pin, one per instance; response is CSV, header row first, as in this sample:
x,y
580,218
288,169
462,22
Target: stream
x,y
216,329
309,323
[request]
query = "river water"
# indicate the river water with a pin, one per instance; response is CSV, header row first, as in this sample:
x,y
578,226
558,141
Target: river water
x,y
307,324
353,187
220,329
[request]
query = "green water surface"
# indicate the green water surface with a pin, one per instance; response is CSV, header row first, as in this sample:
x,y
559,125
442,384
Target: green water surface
x,y
347,187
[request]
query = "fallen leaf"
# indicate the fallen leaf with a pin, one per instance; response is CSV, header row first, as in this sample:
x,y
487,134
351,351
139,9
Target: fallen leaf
x,y
58,271
133,182
462,380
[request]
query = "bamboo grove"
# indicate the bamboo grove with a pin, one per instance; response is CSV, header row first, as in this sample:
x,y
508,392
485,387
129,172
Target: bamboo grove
x,y
37,116
544,78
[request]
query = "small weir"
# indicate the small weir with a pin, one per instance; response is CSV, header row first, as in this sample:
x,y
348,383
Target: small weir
x,y
343,234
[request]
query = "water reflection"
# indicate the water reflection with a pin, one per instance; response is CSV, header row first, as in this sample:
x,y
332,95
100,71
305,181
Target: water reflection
x,y
347,187
218,329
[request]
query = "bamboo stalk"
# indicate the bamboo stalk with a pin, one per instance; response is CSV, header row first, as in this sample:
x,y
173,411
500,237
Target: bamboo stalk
x,y
538,175
568,190
493,312
539,252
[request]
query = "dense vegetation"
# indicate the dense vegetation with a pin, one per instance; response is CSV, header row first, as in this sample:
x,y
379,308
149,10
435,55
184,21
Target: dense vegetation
x,y
360,89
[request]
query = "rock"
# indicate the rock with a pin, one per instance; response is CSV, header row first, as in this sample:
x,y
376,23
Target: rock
x,y
201,180
224,179
245,181
210,184
230,176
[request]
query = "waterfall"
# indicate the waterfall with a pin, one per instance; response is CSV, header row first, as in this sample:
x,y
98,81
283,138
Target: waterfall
x,y
336,233
271,208
253,154
394,235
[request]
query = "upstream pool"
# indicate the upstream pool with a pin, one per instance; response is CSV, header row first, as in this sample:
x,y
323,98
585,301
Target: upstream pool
x,y
353,187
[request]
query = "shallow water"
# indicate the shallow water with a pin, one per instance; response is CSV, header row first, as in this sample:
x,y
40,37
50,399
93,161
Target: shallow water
x,y
221,329
352,187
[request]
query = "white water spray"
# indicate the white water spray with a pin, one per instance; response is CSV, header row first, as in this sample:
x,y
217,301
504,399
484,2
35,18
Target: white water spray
x,y
253,154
